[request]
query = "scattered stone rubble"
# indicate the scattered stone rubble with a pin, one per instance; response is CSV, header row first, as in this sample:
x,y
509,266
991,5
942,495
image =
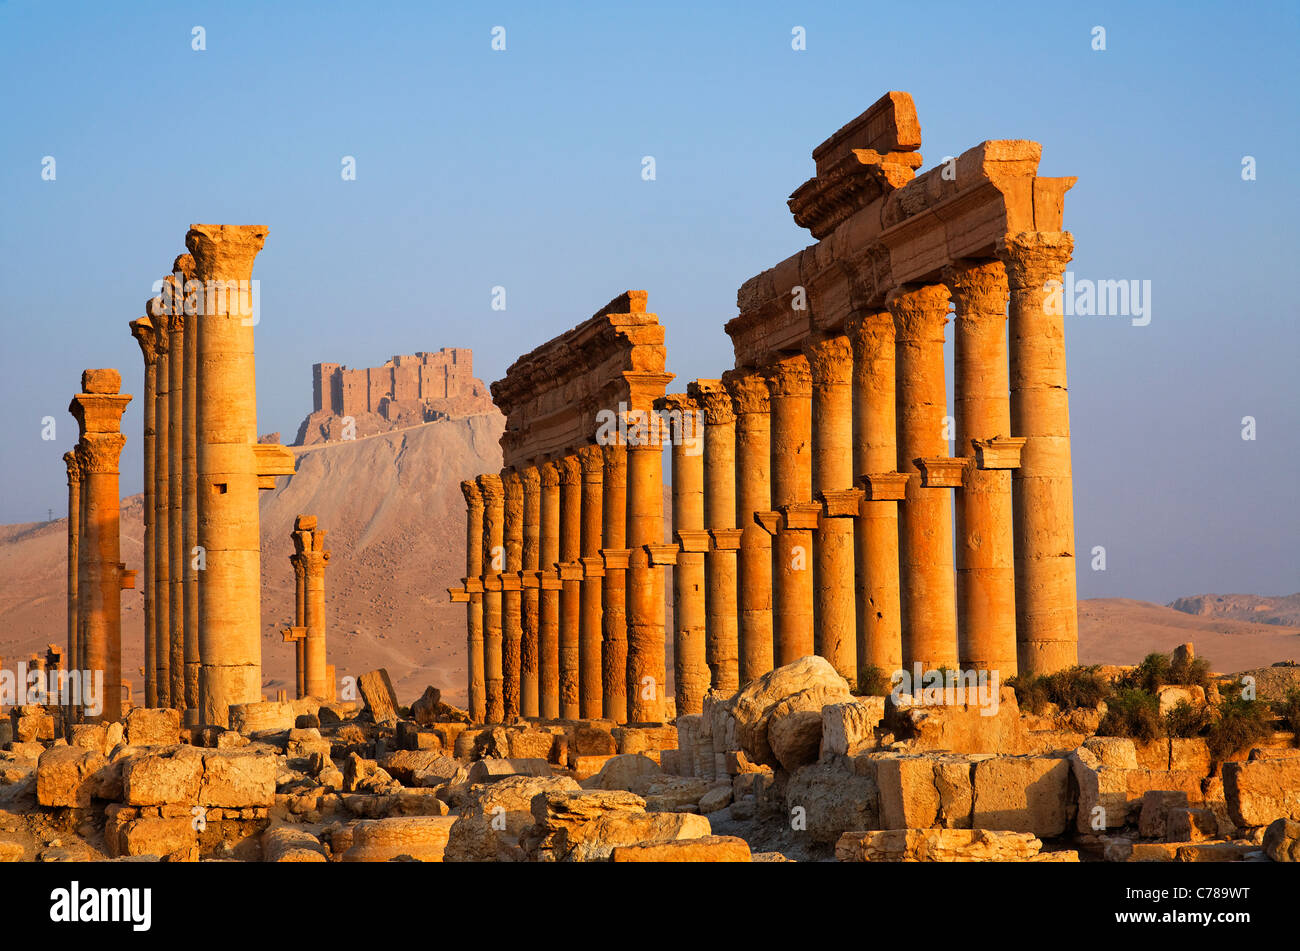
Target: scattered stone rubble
x,y
790,767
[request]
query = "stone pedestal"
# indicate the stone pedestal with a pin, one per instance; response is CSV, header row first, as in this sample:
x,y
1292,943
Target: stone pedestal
x,y
613,585
790,384
830,362
548,632
690,667
1047,622
532,486
571,583
477,699
512,594
875,450
228,478
721,643
142,330
986,591
98,411
928,586
647,677
590,700
493,564
750,401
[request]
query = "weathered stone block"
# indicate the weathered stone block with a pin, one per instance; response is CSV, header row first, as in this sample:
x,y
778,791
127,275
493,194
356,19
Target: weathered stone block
x,y
423,838
377,692
712,848
1022,794
262,716
833,799
166,838
937,845
1153,821
163,775
1262,790
146,726
850,727
493,817
238,778
68,776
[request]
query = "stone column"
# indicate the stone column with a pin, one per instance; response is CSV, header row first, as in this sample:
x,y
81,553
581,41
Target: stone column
x,y
189,503
299,619
142,330
830,362
493,563
1047,621
74,540
613,586
721,644
313,557
180,666
928,586
690,666
571,581
98,411
875,450
511,595
230,617
790,384
532,486
647,675
751,403
548,626
161,507
986,584
590,696
474,607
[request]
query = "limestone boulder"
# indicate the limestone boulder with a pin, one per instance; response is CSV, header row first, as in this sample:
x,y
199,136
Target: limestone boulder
x,y
163,775
421,838
586,826
991,725
753,705
1022,794
493,769
1282,840
1260,791
493,817
148,726
175,839
830,799
263,716
430,709
850,727
68,776
288,843
711,848
238,779
937,845
633,771
377,692
403,765
675,793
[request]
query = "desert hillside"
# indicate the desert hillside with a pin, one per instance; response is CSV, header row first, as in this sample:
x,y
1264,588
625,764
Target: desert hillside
x,y
392,506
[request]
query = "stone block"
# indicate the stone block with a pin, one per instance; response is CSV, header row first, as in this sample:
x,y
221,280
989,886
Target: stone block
x,y
632,771
1260,791
493,817
166,838
1153,821
263,716
937,845
67,776
146,726
1022,794
492,769
1282,840
422,838
377,692
712,848
833,800
238,779
286,843
163,775
850,727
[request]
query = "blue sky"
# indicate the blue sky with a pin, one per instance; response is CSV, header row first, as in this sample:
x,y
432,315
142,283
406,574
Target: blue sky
x,y
522,168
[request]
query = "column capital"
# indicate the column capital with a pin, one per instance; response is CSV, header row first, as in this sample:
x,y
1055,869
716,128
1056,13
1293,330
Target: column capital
x,y
570,468
473,496
830,361
550,474
299,569
615,455
490,486
315,561
979,288
869,330
225,252
592,460
530,478
789,377
143,331
713,398
99,453
1035,257
920,311
677,403
74,468
749,391
512,483
301,543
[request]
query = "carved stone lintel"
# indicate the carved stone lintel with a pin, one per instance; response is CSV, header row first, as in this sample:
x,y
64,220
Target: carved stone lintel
x,y
840,503
942,472
1000,452
800,516
692,540
884,486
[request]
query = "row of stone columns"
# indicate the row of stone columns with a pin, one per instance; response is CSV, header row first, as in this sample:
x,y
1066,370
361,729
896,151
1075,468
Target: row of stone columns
x,y
564,588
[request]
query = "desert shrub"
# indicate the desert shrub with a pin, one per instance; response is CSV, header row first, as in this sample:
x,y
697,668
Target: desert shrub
x,y
1239,724
872,682
1069,689
1189,673
1159,670
1133,713
1188,720
1289,710
1031,692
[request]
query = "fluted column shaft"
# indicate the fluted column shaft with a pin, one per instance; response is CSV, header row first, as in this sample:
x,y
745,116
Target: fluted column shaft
x,y
986,587
532,485
751,403
477,691
161,509
590,702
493,564
180,657
98,412
834,609
230,615
1047,622
690,667
548,631
571,583
925,520
647,675
721,645
875,450
512,595
613,586
790,383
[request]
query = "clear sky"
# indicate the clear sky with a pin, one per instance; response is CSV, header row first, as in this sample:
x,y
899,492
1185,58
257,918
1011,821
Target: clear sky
x,y
522,168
